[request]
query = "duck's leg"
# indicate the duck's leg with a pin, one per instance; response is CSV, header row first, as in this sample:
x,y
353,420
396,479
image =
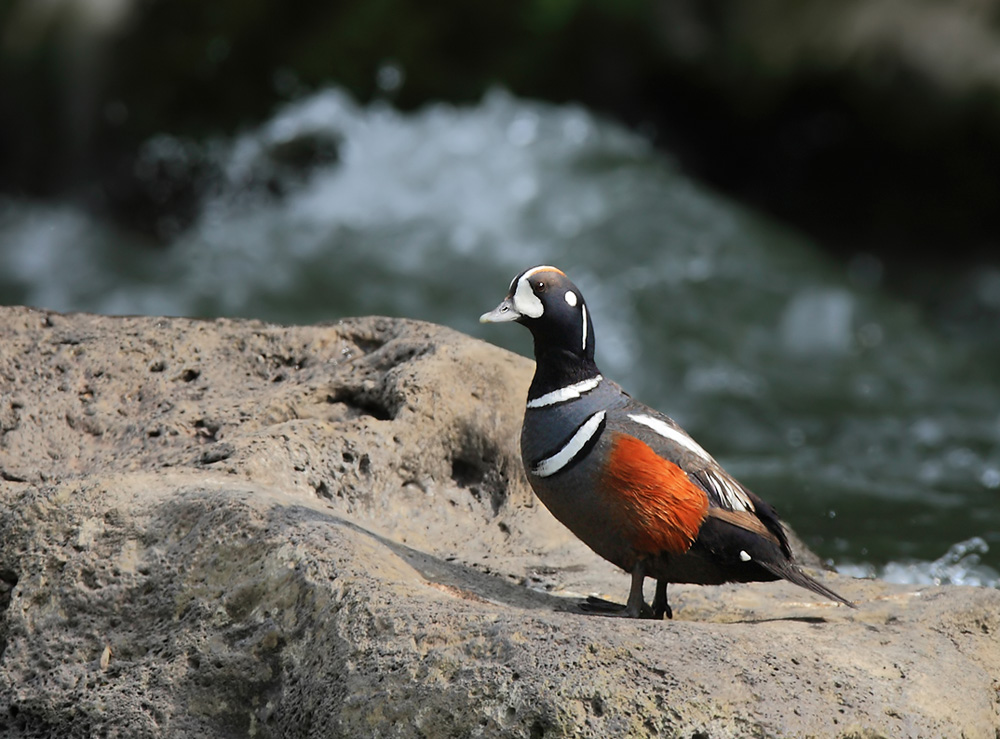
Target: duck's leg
x,y
636,602
636,606
660,606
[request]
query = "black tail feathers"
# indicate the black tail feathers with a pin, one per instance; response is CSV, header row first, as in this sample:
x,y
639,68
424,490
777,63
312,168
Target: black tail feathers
x,y
789,571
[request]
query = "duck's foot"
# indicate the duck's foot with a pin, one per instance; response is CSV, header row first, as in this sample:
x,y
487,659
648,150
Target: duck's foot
x,y
601,607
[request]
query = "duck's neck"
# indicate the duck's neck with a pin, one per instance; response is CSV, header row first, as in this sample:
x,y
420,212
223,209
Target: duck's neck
x,y
557,368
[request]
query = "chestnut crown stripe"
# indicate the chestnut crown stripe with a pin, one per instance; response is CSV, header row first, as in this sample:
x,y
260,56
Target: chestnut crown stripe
x,y
588,431
563,394
535,271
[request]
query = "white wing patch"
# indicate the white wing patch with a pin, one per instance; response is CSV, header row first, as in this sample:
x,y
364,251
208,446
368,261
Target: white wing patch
x,y
669,432
725,488
551,465
570,392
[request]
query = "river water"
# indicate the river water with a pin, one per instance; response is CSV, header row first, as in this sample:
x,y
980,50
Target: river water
x,y
876,434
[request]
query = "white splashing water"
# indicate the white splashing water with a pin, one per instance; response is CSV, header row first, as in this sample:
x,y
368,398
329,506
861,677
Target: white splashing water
x,y
960,565
491,184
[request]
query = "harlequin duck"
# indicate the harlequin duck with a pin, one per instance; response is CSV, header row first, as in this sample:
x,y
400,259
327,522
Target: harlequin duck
x,y
626,479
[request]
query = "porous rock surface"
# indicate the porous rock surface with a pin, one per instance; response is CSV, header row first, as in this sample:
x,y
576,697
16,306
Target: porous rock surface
x,y
228,528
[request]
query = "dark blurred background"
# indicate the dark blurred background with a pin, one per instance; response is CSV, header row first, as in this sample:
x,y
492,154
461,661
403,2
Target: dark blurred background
x,y
783,212
872,124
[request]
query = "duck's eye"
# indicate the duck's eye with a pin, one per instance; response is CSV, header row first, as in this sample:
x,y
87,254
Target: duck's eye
x,y
539,287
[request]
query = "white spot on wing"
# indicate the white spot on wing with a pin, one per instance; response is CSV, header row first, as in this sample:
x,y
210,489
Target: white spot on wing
x,y
551,465
744,556
570,392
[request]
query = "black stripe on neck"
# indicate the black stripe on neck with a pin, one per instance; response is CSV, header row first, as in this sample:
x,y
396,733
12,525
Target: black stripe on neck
x,y
558,368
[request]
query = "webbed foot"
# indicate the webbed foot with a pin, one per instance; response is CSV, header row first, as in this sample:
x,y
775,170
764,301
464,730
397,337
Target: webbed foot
x,y
601,607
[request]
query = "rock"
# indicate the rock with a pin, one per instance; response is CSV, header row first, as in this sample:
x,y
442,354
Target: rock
x,y
229,528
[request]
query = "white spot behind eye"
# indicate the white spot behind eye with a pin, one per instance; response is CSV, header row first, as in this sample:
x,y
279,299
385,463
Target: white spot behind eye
x,y
570,298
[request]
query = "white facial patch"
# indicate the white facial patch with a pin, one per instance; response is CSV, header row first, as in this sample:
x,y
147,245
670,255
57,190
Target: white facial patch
x,y
576,443
525,301
570,298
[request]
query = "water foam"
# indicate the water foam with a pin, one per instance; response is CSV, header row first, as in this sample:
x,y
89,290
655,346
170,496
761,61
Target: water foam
x,y
960,565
